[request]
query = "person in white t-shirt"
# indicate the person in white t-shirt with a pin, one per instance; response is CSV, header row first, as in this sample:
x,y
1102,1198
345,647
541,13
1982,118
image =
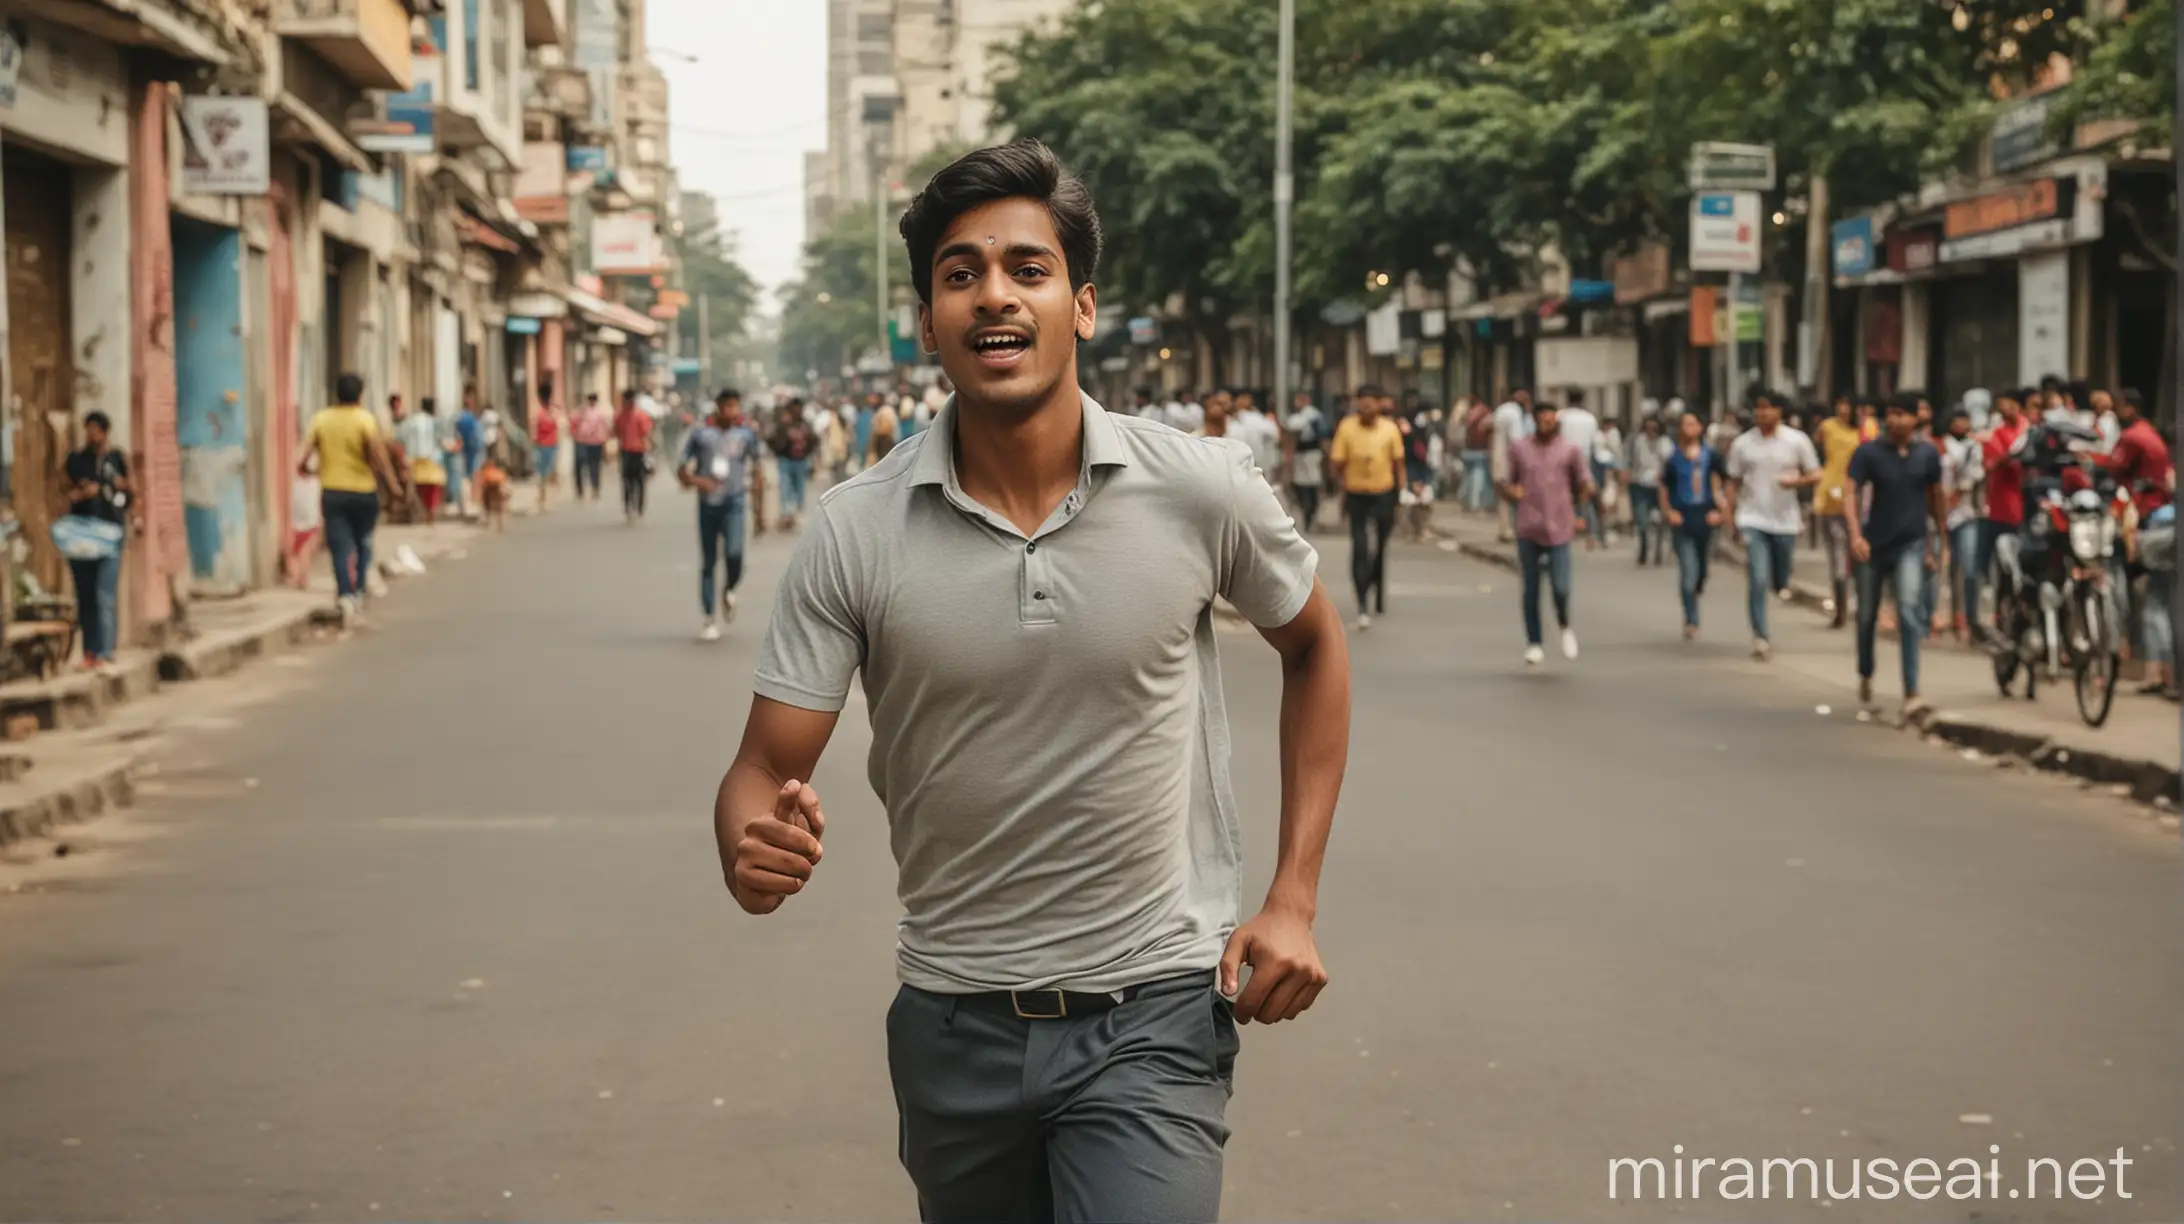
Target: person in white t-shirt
x,y
1768,464
1259,432
1581,427
1512,420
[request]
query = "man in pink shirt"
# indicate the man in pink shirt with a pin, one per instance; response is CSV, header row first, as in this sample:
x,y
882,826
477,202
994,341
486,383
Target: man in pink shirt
x,y
1548,480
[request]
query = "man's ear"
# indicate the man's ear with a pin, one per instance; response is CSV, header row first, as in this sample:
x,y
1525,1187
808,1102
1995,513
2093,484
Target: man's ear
x,y
926,339
1088,311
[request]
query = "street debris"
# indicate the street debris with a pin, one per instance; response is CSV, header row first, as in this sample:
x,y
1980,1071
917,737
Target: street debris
x,y
1823,711
1976,1119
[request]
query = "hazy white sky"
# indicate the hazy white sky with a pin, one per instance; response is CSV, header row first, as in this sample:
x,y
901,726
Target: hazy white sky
x,y
744,114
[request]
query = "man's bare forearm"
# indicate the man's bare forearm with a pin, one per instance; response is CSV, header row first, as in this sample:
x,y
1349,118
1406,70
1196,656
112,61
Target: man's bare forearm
x,y
1315,750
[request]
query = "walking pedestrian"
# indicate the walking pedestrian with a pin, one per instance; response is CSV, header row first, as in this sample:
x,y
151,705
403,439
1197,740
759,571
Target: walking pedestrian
x,y
1549,478
1691,500
100,490
2144,469
633,438
792,448
1607,474
1512,420
1897,478
1478,451
886,431
1308,434
716,461
471,435
1840,437
2005,509
1768,464
1644,456
343,446
590,432
1962,471
1063,1046
1367,461
546,430
1580,428
420,437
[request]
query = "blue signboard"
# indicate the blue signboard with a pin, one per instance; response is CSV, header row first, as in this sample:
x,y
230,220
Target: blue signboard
x,y
587,159
1852,244
1718,204
411,123
688,365
520,325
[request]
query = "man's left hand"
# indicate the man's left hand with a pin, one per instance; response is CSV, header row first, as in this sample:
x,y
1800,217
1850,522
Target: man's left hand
x,y
1286,974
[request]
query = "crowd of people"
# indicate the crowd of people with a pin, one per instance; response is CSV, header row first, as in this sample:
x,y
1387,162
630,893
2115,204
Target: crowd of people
x,y
1904,504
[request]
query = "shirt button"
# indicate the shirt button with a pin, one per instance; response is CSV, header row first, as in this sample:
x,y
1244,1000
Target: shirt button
x,y
1032,547
1038,594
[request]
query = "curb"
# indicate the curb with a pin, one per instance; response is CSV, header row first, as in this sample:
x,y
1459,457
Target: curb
x,y
219,654
74,799
2149,781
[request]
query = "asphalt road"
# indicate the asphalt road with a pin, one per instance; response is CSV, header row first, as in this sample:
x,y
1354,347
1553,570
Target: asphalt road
x,y
434,930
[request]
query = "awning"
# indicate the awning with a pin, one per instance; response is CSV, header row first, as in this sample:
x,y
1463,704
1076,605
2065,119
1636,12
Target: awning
x,y
325,135
611,314
134,22
1502,306
478,233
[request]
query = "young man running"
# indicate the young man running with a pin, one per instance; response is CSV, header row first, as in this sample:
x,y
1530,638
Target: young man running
x,y
716,461
1549,478
1767,465
1062,1046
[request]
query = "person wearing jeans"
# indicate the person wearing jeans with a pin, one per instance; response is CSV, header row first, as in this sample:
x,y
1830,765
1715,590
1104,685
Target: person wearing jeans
x,y
1549,478
1897,476
1366,459
1647,452
716,462
589,432
1768,465
99,488
1690,497
344,444
633,435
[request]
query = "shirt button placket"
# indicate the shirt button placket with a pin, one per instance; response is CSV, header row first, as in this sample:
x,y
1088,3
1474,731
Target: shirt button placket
x,y
1037,606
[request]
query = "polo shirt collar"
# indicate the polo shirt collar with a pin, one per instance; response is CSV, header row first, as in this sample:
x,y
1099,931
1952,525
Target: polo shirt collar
x,y
935,462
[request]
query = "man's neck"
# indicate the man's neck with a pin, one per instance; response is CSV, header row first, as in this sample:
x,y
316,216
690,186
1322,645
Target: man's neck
x,y
1021,464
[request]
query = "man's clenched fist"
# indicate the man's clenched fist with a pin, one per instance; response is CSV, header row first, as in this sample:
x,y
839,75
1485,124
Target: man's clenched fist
x,y
776,853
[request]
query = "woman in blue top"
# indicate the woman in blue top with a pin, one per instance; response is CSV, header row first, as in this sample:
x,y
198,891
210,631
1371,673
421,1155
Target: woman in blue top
x,y
1690,501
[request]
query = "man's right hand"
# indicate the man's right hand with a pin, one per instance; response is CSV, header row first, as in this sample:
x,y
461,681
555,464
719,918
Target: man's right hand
x,y
1860,550
1675,518
777,852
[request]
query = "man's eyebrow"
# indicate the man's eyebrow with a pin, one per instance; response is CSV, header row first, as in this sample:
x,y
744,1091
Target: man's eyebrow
x,y
1014,250
955,250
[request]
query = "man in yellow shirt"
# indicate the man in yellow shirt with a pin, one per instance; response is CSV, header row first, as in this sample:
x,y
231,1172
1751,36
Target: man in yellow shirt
x,y
344,445
1366,460
1838,437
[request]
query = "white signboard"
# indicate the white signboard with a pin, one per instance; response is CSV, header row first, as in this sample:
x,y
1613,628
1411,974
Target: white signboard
x,y
1720,166
1725,231
226,147
2043,316
1384,329
1585,361
624,244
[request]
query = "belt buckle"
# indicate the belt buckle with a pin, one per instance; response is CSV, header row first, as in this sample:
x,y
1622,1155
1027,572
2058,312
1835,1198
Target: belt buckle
x,y
1018,997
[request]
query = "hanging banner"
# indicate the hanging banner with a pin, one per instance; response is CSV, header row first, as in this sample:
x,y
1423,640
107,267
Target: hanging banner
x,y
1725,231
226,146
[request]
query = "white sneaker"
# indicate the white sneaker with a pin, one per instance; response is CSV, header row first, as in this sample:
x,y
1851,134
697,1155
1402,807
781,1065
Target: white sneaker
x,y
349,610
1364,621
1534,656
1761,650
728,605
710,632
1569,643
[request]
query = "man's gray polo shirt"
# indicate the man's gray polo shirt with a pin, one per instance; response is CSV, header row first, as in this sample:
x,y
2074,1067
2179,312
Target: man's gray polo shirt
x,y
1048,734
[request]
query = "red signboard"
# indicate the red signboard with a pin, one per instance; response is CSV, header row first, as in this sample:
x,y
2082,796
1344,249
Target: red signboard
x,y
2006,209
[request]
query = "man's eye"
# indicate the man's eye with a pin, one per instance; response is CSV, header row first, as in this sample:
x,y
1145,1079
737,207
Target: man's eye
x,y
1031,270
960,276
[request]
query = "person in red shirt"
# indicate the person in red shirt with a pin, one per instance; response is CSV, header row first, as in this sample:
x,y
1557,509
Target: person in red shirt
x,y
633,434
2005,514
546,438
2140,459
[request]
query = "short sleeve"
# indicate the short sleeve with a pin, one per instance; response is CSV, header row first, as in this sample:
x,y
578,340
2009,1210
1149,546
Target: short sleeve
x,y
1807,454
1860,466
1931,469
368,427
1738,460
1267,567
815,642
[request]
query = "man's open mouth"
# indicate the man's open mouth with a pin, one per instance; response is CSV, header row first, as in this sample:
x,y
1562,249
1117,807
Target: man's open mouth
x,y
1000,349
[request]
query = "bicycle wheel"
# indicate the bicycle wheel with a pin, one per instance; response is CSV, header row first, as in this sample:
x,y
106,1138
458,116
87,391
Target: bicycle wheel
x,y
2095,671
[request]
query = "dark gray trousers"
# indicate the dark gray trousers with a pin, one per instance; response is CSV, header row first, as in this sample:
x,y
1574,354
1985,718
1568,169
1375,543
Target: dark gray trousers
x,y
1117,1116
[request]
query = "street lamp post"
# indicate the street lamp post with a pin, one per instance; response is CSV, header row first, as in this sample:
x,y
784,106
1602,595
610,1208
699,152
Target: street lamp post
x,y
1285,190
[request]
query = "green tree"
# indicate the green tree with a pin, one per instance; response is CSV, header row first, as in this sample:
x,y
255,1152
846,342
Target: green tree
x,y
2130,74
830,313
712,272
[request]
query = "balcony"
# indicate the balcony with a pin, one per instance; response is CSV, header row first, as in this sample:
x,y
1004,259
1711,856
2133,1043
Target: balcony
x,y
545,23
366,41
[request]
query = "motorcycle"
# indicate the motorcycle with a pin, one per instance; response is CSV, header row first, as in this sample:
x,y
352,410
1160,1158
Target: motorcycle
x,y
2056,605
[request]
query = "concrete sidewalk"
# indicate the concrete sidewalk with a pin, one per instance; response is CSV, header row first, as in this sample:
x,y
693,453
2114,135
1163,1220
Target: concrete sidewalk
x,y
84,758
2139,747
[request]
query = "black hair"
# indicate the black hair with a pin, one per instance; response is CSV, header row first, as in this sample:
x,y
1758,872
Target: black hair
x,y
2053,382
1766,396
1904,401
99,419
726,394
429,406
2080,392
1370,389
2131,396
1021,169
349,389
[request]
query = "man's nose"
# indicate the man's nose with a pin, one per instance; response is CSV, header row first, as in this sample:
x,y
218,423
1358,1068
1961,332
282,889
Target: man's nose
x,y
996,293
